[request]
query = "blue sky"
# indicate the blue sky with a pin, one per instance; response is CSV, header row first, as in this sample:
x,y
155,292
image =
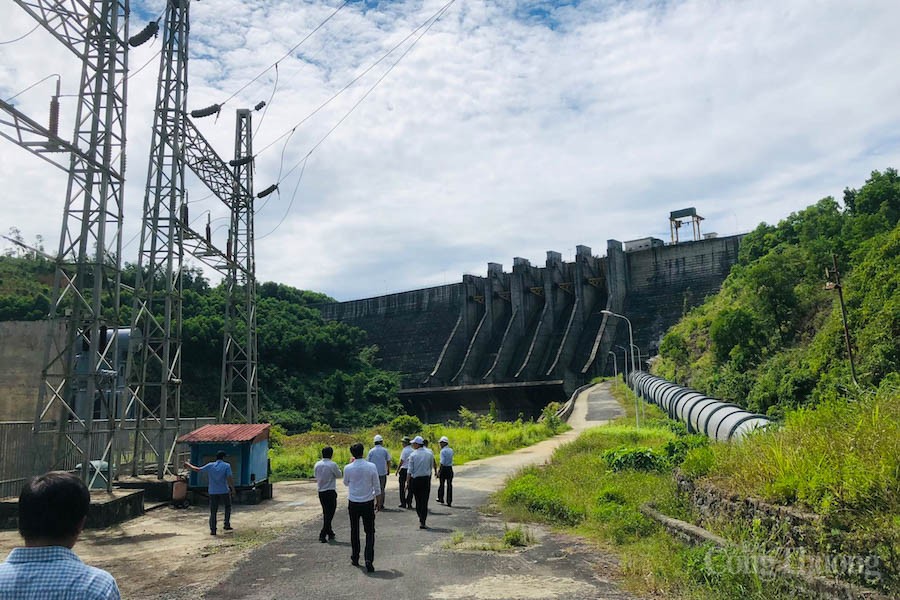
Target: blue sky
x,y
510,129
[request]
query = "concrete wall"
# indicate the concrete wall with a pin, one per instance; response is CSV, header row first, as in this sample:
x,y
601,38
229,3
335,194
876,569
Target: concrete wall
x,y
410,328
21,362
664,283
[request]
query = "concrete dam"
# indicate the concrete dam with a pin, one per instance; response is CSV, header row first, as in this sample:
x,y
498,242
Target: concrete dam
x,y
518,340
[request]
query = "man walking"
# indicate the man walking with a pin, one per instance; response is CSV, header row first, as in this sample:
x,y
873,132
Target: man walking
x,y
327,472
445,473
419,467
361,479
52,511
221,488
405,491
381,458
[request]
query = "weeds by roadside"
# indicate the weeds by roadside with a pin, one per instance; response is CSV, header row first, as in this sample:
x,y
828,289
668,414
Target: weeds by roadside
x,y
472,437
513,538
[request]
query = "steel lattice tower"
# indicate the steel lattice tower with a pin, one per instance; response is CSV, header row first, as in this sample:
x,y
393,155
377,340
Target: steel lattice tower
x,y
239,394
81,359
154,360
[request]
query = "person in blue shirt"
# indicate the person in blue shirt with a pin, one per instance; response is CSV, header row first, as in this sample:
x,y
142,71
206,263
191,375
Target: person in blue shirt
x,y
53,509
221,488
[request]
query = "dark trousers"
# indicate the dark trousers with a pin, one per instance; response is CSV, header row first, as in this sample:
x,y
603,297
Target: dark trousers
x,y
445,475
366,512
421,489
328,500
405,490
214,500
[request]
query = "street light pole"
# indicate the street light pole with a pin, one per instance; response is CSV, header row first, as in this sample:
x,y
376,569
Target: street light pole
x,y
631,343
615,366
625,369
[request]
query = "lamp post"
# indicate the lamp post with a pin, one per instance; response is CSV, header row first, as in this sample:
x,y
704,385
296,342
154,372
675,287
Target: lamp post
x,y
640,360
615,366
631,343
624,359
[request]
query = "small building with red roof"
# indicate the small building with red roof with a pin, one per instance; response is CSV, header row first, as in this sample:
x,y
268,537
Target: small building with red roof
x,y
246,448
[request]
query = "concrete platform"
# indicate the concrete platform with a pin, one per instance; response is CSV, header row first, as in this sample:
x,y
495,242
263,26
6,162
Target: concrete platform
x,y
106,509
159,490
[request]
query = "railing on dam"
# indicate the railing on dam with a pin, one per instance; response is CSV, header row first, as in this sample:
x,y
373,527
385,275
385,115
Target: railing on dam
x,y
718,420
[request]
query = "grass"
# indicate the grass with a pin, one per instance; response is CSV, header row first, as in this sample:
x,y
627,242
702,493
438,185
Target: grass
x,y
595,486
296,455
512,539
244,539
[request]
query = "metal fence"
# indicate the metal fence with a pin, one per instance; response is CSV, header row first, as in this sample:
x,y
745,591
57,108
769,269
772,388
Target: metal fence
x,y
24,454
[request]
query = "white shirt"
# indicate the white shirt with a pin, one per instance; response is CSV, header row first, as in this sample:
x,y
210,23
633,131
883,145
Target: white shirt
x,y
326,472
420,463
380,457
361,480
446,456
404,455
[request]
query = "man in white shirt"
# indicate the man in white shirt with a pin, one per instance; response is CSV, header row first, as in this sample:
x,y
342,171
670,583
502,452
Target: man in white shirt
x,y
327,472
445,473
419,467
381,458
405,491
361,479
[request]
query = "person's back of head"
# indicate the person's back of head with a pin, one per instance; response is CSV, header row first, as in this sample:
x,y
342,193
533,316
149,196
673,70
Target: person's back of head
x,y
327,452
356,450
220,455
53,508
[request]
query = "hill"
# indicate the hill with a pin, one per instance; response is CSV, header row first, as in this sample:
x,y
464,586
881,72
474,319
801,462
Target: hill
x,y
773,337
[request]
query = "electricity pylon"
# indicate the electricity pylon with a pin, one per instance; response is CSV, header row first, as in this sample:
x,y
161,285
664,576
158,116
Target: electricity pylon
x,y
154,359
239,393
78,379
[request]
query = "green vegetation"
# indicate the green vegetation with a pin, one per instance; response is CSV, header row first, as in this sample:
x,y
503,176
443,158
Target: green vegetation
x,y
512,538
311,370
476,437
580,490
772,338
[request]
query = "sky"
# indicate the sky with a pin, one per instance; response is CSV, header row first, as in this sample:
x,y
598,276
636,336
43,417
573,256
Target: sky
x,y
507,130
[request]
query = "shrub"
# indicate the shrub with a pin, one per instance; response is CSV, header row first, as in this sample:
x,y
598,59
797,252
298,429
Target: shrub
x,y
637,459
676,450
318,427
406,425
516,536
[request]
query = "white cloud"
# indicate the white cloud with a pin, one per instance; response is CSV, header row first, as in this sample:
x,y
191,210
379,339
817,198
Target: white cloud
x,y
511,128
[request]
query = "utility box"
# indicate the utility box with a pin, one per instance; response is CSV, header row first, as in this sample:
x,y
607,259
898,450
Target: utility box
x,y
246,449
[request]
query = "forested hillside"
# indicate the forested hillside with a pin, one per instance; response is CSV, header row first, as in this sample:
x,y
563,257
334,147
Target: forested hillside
x,y
773,337
311,371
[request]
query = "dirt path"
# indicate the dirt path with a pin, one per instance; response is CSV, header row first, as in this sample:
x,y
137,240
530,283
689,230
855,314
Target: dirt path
x,y
273,553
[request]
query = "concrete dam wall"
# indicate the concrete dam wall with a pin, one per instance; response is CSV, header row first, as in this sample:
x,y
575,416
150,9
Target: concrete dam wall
x,y
523,338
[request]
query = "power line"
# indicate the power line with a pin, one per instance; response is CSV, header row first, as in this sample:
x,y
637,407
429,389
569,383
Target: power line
x,y
21,37
303,162
287,54
428,22
435,19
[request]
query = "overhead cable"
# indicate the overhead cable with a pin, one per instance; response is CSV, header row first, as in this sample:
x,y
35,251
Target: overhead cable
x,y
287,54
21,37
303,162
427,23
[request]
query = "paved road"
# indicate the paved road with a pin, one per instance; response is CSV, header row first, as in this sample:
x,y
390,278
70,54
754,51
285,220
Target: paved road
x,y
414,563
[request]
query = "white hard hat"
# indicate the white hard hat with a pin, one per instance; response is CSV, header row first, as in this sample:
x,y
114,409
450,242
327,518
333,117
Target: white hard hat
x,y
443,440
378,438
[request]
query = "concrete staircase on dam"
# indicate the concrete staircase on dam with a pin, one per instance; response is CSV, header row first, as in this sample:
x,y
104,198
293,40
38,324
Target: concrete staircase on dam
x,y
517,340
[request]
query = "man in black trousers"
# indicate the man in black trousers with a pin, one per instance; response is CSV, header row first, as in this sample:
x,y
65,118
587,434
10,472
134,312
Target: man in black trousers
x,y
361,479
419,468
327,472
